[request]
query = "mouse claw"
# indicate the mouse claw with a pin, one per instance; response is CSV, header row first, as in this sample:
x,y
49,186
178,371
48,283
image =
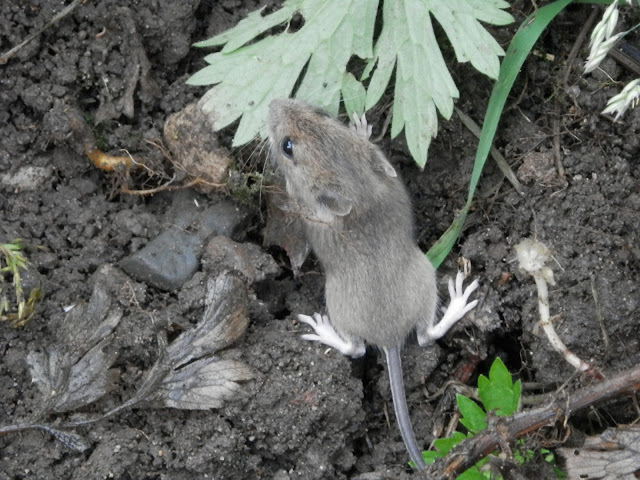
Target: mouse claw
x,y
361,126
316,320
326,334
458,308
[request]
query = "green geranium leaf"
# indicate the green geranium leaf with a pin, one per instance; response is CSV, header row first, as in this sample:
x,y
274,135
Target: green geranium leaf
x,y
423,82
247,76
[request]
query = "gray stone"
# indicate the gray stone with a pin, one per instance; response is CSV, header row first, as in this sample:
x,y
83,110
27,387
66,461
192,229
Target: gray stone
x,y
27,178
222,255
171,258
224,218
167,261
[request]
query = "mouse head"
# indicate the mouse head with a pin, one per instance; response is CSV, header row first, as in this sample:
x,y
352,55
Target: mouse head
x,y
329,168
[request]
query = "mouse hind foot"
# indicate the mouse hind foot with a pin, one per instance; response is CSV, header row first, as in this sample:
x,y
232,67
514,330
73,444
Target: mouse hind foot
x,y
325,333
458,308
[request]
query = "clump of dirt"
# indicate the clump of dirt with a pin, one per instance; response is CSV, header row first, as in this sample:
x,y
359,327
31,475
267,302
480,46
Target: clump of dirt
x,y
308,413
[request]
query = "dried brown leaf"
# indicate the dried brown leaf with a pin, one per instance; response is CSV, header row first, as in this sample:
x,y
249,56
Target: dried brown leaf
x,y
187,375
285,229
87,324
76,370
224,320
201,385
612,455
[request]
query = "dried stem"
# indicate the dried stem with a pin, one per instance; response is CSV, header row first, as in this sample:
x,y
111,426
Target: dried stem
x,y
470,451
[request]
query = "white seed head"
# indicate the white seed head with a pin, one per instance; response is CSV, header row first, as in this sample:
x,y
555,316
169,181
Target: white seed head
x,y
602,38
610,18
627,97
547,274
597,36
599,51
532,256
613,21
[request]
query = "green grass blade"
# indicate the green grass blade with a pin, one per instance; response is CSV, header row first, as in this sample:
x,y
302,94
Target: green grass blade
x,y
518,50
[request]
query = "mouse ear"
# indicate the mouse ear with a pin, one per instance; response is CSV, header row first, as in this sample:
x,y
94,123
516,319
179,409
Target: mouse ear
x,y
380,163
335,203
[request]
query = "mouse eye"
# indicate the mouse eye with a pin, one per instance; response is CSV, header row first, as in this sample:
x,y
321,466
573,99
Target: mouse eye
x,y
287,147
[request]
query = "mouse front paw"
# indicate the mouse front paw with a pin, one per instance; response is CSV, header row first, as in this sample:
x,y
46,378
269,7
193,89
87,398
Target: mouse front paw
x,y
325,333
361,126
458,308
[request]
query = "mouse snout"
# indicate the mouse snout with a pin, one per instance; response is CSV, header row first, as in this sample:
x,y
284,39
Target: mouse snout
x,y
276,114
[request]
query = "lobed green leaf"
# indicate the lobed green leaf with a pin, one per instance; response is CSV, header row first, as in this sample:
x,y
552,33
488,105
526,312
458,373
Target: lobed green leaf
x,y
247,76
473,417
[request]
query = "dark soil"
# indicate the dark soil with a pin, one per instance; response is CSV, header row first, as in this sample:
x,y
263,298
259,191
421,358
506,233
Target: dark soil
x,y
308,413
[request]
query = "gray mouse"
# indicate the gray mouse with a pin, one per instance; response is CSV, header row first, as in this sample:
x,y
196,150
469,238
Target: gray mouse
x,y
358,219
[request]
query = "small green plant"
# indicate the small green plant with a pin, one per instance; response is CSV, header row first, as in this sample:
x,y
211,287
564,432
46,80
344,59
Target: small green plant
x,y
499,395
12,261
313,53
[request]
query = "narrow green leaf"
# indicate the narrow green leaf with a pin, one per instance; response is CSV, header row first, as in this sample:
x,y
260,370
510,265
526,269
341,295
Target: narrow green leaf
x,y
353,94
518,50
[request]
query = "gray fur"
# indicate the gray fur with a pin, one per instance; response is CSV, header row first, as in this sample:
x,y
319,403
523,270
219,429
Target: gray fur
x,y
359,221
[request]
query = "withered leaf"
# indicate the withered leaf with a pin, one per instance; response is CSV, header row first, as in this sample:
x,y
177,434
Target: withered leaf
x,y
285,229
187,375
201,385
612,455
224,320
76,371
69,439
87,324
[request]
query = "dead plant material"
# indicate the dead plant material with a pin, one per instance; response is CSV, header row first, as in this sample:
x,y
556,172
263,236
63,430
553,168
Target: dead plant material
x,y
558,409
109,163
195,149
59,16
615,453
189,373
501,162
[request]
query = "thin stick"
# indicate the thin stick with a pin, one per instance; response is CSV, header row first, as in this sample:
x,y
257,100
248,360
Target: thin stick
x,y
605,336
63,13
501,162
470,451
578,43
